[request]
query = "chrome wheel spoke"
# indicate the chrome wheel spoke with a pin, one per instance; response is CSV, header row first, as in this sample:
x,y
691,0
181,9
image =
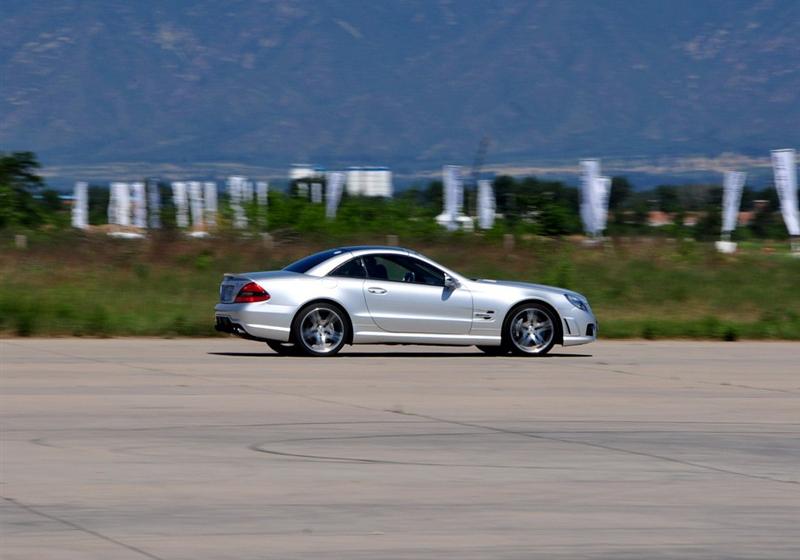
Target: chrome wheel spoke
x,y
532,330
322,330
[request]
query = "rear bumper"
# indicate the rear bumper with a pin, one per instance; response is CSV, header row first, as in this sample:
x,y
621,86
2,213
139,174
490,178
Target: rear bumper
x,y
254,321
226,325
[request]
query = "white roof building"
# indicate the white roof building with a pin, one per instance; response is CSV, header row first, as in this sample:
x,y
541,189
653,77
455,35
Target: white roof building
x,y
369,181
305,171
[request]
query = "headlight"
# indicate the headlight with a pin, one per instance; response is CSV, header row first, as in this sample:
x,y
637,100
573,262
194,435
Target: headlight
x,y
578,302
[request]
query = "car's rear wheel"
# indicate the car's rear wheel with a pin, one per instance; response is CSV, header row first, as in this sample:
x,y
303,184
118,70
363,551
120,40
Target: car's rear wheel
x,y
283,348
320,329
493,350
531,330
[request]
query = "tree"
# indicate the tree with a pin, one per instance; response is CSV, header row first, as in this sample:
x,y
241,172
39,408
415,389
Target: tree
x,y
18,183
18,170
621,190
668,198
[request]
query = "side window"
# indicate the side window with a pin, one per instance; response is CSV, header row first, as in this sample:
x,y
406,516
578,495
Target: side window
x,y
351,269
384,267
425,273
399,268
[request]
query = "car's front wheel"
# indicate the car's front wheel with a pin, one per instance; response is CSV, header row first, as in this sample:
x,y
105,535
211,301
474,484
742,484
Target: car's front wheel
x,y
531,330
320,329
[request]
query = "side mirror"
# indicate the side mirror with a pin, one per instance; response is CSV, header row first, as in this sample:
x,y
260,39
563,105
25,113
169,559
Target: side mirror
x,y
450,283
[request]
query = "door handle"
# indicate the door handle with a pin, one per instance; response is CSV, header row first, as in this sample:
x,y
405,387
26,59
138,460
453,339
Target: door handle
x,y
376,290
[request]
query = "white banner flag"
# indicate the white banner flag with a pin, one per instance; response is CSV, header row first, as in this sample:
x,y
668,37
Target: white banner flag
x,y
601,195
453,194
154,202
196,203
210,200
181,204
236,187
785,169
247,191
262,201
120,195
333,193
316,193
139,203
262,193
486,205
112,204
732,185
80,206
590,172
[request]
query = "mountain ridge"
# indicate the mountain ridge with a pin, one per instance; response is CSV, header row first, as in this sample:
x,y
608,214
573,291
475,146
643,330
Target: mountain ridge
x,y
408,84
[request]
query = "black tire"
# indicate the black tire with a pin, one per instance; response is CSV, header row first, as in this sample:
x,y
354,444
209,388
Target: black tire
x,y
320,329
529,322
493,350
283,348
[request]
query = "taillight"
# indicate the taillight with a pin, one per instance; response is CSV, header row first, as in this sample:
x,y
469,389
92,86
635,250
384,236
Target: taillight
x,y
250,293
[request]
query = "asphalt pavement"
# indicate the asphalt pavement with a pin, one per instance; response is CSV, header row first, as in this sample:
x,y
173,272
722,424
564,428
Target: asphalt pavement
x,y
220,449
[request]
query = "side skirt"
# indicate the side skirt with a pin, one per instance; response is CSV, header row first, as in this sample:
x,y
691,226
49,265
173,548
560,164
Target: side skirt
x,y
382,337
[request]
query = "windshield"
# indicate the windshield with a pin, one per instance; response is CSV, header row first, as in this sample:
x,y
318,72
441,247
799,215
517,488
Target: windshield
x,y
305,264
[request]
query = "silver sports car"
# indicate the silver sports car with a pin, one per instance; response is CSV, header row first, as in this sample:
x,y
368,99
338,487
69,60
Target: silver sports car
x,y
389,295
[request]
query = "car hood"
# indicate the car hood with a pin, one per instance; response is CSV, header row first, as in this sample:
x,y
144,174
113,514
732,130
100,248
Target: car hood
x,y
527,286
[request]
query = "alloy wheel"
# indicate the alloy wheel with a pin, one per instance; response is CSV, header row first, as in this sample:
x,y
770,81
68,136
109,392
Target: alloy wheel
x,y
321,330
532,330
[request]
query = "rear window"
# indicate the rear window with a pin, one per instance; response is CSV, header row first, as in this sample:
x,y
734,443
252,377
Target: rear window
x,y
304,265
351,269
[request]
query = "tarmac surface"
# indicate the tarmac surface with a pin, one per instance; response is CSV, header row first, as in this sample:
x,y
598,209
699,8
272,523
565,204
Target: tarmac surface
x,y
219,449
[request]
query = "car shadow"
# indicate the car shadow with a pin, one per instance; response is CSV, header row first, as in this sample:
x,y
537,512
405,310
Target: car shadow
x,y
396,355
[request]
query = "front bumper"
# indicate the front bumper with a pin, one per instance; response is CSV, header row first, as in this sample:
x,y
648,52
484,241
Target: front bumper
x,y
580,327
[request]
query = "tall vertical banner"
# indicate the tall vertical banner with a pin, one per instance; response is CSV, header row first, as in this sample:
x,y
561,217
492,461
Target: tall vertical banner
x,y
196,203
732,185
316,193
486,205
247,191
453,194
210,199
262,193
121,202
112,203
333,193
601,195
80,206
785,170
154,203
139,204
590,172
179,198
262,201
236,186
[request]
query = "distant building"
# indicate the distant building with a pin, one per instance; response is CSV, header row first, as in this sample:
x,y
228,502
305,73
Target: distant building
x,y
369,181
300,171
657,218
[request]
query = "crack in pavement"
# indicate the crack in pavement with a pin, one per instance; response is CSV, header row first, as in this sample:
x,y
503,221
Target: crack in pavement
x,y
606,447
475,425
81,528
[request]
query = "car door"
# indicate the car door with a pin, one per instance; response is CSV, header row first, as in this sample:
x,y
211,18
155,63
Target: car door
x,y
349,281
408,295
